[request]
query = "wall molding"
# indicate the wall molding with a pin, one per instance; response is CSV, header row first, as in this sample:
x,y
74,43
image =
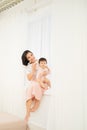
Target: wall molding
x,y
6,4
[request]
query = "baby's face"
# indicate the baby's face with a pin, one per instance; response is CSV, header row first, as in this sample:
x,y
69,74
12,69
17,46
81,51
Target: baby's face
x,y
42,64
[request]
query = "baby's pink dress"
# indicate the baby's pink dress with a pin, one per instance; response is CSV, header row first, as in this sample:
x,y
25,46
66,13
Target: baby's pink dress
x,y
34,89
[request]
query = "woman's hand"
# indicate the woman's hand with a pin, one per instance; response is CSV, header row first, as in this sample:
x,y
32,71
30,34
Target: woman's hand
x,y
34,67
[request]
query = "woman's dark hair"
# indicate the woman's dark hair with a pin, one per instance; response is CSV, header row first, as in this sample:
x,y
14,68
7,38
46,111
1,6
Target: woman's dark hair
x,y
42,59
24,58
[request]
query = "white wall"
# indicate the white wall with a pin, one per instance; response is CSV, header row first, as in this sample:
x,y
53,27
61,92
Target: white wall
x,y
12,44
68,61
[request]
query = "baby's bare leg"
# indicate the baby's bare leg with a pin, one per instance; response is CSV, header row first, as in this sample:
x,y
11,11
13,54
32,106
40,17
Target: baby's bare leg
x,y
47,81
41,83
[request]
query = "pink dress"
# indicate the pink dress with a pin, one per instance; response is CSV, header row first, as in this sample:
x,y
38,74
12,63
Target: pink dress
x,y
34,89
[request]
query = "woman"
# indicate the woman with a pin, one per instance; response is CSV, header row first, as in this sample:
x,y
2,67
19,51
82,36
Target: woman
x,y
34,91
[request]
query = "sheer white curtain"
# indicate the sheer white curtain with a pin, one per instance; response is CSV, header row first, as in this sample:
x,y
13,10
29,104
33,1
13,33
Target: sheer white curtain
x,y
39,37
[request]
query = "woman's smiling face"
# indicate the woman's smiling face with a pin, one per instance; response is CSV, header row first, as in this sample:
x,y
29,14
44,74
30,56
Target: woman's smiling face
x,y
30,57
